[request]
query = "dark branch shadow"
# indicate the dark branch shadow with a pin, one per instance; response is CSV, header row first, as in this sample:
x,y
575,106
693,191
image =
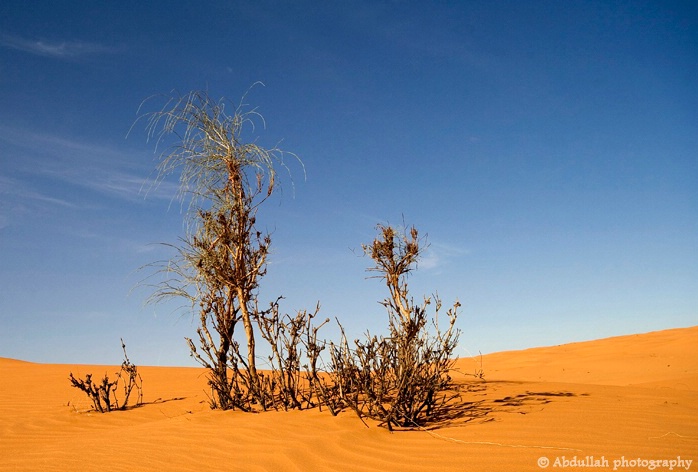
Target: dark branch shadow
x,y
157,401
477,402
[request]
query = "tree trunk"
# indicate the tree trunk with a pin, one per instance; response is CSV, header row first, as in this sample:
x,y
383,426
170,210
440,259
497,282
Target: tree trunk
x,y
249,333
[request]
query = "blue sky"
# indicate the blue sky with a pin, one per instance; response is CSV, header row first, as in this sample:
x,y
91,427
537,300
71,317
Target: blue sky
x,y
548,149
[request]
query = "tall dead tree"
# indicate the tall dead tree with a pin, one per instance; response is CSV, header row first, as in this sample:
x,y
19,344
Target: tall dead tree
x,y
224,253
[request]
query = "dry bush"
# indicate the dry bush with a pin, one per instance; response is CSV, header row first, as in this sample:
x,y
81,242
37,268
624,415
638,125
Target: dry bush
x,y
104,394
221,260
322,390
291,381
402,379
224,254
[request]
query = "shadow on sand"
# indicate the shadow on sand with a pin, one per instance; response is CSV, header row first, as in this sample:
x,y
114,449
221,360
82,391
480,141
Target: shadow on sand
x,y
480,401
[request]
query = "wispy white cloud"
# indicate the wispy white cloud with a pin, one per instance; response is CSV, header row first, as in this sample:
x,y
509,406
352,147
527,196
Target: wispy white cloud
x,y
102,169
64,50
21,192
113,182
18,199
439,254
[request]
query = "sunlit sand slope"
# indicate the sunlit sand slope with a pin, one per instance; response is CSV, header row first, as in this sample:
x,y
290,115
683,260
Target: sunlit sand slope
x,y
625,398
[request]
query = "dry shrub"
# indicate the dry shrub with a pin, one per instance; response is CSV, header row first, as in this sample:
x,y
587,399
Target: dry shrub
x,y
402,379
104,394
397,379
291,381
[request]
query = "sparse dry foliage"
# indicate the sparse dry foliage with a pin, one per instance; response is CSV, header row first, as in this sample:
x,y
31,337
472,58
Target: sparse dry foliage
x,y
399,380
402,379
224,254
290,382
104,395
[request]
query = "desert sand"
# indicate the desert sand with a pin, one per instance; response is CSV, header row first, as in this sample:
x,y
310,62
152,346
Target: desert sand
x,y
621,400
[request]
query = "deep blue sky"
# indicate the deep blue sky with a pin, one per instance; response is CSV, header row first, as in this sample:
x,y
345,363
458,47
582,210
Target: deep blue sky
x,y
548,149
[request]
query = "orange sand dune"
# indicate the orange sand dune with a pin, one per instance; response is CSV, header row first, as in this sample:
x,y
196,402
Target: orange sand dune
x,y
617,399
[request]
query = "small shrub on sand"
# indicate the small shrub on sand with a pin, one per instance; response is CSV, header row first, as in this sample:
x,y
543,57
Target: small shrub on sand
x,y
104,394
